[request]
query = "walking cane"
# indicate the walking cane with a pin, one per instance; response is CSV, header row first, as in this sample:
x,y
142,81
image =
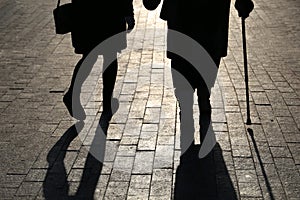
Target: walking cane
x,y
248,122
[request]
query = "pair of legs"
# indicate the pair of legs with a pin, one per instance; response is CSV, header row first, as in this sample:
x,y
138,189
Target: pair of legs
x,y
187,80
80,74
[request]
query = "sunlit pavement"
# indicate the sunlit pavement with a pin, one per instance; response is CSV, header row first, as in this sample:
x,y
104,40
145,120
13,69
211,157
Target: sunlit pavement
x,y
43,158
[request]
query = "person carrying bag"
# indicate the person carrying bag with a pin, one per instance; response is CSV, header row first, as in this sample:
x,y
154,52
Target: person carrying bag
x,y
93,22
63,18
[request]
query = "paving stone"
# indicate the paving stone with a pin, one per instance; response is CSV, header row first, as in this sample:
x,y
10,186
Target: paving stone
x,y
287,124
110,151
162,175
36,175
107,168
138,193
123,162
143,162
101,187
137,109
154,101
164,151
292,137
147,141
152,115
280,152
149,127
143,141
243,163
292,191
140,181
223,140
118,174
250,189
246,176
220,127
161,188
116,190
165,140
115,131
271,188
294,149
11,181
8,193
29,189
126,151
241,151
133,128
129,140
167,127
162,162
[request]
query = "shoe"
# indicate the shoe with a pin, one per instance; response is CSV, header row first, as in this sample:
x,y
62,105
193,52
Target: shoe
x,y
78,113
104,123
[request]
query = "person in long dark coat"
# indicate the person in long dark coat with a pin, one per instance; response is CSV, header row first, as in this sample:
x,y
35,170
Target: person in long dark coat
x,y
206,22
94,22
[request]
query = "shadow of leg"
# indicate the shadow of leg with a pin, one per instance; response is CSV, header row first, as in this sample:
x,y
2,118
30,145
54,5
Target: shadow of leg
x,y
185,96
205,178
55,185
94,162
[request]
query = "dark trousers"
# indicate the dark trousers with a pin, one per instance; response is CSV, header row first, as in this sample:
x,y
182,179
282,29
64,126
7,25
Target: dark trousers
x,y
109,74
187,80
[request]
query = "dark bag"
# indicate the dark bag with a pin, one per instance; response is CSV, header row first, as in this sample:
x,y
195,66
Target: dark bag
x,y
63,18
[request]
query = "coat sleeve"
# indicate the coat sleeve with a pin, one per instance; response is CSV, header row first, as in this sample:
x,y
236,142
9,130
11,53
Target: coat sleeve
x,y
128,7
169,9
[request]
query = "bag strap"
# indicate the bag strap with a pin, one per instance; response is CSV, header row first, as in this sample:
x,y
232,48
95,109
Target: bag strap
x,y
58,3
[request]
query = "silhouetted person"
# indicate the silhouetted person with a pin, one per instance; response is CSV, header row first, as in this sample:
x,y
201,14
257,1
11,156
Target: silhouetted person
x,y
206,22
94,22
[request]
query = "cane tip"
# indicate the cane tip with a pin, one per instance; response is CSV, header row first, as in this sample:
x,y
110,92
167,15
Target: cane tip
x,y
248,122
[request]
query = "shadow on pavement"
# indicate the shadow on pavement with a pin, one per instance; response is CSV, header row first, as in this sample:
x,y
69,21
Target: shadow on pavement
x,y
205,178
269,188
56,185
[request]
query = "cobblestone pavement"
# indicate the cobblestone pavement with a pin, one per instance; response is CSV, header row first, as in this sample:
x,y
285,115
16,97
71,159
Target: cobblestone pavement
x,y
41,157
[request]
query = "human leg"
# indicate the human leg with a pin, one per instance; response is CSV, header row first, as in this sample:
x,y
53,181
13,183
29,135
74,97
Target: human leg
x,y
184,93
203,93
109,75
72,97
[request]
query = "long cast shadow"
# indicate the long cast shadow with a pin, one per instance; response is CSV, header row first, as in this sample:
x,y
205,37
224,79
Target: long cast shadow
x,y
269,188
56,185
205,179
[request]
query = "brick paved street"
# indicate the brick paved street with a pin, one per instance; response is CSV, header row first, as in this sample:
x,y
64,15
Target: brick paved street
x,y
41,156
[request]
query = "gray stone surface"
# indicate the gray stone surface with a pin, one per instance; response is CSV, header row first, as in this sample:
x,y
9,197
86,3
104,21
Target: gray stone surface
x,y
42,159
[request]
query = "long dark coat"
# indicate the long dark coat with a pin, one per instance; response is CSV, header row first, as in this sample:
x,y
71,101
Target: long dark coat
x,y
97,20
206,21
